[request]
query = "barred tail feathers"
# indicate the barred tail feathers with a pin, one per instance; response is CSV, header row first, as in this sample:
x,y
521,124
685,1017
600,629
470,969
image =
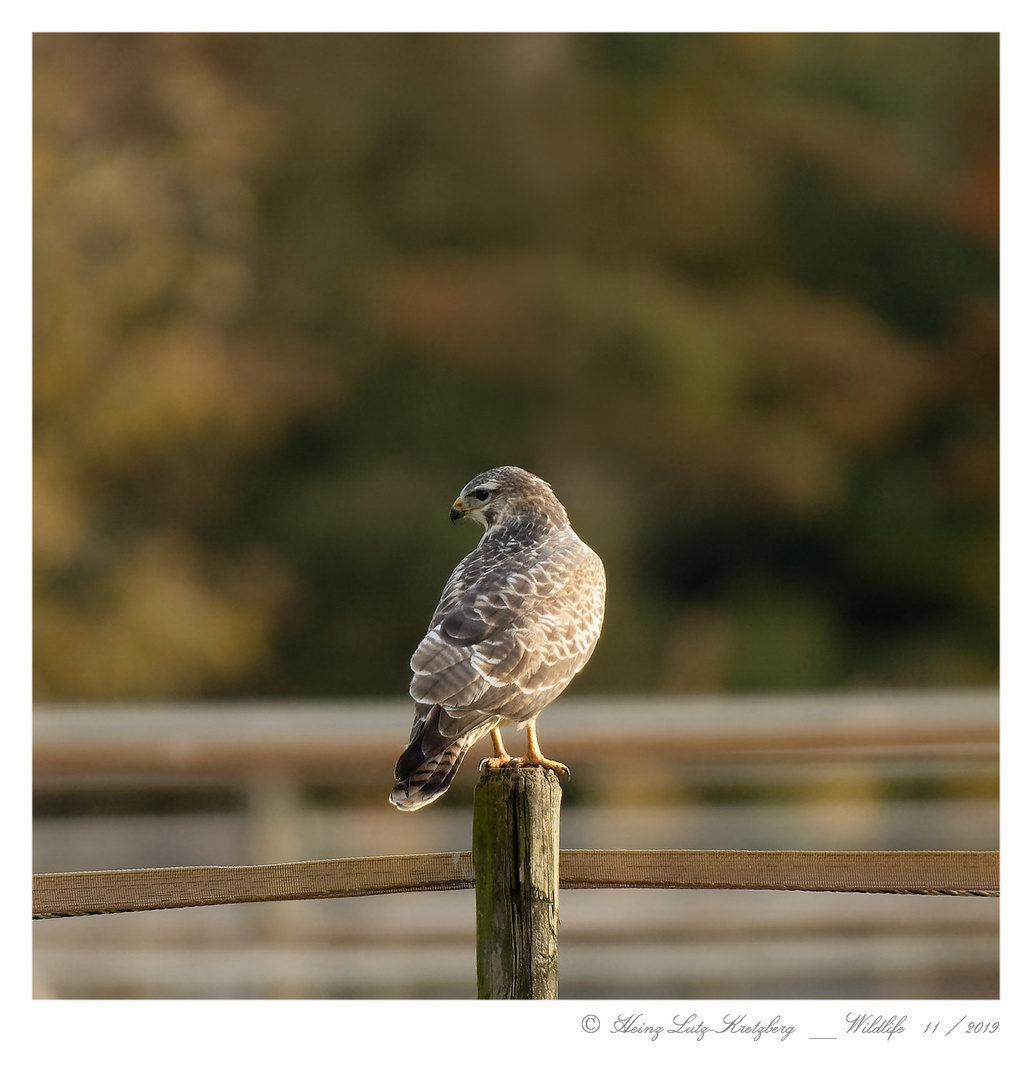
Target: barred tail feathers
x,y
429,763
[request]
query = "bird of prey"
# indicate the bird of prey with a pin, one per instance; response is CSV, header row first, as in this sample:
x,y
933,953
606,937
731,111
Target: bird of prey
x,y
519,617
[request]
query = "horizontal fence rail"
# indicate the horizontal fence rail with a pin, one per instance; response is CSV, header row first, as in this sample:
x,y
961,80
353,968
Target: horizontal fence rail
x,y
95,892
346,738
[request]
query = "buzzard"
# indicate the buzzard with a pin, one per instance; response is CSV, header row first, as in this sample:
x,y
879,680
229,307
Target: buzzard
x,y
519,617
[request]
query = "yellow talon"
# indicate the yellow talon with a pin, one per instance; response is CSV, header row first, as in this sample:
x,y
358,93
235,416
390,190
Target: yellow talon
x,y
529,762
501,757
535,757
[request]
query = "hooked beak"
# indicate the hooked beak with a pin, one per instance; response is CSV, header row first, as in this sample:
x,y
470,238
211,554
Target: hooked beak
x,y
457,511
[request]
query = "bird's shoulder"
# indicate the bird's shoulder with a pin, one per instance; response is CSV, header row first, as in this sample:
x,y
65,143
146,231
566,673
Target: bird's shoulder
x,y
526,560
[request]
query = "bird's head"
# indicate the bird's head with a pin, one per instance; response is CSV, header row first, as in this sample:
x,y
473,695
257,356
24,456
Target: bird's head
x,y
499,495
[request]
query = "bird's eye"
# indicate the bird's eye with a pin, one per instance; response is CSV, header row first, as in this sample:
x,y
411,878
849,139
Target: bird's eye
x,y
482,494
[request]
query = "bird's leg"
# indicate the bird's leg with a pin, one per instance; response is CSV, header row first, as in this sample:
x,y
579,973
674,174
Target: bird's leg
x,y
534,755
500,756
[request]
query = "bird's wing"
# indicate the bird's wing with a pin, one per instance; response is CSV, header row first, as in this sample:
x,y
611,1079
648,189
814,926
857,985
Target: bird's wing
x,y
510,632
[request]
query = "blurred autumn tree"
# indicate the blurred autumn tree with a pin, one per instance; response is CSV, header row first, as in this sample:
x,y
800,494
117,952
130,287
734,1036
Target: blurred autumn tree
x,y
735,296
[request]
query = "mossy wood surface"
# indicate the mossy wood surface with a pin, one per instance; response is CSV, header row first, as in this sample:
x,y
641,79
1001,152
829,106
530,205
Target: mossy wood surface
x,y
516,867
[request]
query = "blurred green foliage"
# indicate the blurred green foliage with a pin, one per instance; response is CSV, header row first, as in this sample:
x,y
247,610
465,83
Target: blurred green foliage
x,y
735,296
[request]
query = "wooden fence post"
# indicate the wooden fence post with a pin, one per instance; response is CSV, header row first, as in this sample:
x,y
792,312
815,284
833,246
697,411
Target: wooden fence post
x,y
516,870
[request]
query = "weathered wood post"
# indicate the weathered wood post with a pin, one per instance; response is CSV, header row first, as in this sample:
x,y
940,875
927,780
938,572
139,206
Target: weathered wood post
x,y
516,868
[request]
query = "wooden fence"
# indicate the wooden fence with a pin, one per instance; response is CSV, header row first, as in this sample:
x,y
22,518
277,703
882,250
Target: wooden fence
x,y
100,892
517,869
513,935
